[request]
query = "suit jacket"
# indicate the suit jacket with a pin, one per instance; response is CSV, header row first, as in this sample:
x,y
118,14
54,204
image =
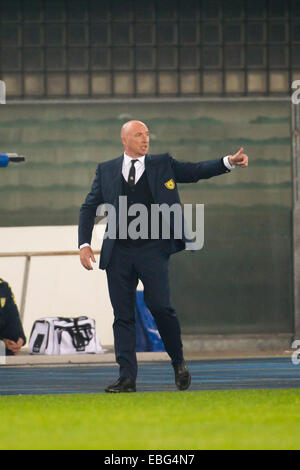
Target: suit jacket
x,y
10,323
160,169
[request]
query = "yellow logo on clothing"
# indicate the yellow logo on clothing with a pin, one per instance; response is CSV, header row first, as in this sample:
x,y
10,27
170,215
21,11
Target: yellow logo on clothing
x,y
2,301
170,184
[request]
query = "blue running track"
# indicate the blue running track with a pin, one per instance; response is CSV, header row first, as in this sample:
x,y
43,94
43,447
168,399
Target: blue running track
x,y
224,374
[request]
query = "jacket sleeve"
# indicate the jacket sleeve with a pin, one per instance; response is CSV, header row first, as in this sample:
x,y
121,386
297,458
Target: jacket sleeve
x,y
187,172
13,328
88,210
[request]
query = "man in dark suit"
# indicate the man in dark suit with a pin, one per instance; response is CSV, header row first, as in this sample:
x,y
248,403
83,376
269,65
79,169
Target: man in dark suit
x,y
11,330
143,179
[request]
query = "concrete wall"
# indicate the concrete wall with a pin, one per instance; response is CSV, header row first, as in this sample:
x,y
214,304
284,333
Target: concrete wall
x,y
241,282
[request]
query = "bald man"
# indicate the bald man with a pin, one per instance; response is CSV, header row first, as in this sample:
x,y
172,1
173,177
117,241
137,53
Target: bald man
x,y
143,179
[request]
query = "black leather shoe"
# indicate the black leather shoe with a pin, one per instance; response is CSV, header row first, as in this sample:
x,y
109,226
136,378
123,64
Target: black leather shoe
x,y
182,376
123,384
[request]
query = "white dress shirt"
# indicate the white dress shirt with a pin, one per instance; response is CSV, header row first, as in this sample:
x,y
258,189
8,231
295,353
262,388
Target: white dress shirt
x,y
140,168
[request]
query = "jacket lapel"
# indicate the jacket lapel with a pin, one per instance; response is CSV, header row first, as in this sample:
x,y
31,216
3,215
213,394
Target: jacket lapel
x,y
114,180
151,174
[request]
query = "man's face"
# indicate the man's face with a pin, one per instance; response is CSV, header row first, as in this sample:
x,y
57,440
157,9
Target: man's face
x,y
136,140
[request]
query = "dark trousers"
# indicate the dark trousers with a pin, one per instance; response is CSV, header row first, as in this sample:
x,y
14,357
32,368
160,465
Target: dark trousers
x,y
149,263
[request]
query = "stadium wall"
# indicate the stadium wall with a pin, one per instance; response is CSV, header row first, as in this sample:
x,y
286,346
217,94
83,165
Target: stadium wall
x,y
241,282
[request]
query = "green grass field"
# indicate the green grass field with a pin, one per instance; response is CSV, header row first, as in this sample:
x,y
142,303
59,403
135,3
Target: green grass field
x,y
245,419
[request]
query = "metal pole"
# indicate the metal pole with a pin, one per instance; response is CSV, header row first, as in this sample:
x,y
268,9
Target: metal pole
x,y
43,253
25,285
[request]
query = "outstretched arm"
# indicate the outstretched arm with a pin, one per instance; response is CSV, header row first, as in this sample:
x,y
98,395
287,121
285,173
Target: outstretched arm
x,y
188,172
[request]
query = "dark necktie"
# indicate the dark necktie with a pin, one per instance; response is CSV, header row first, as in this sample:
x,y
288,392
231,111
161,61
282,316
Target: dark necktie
x,y
131,177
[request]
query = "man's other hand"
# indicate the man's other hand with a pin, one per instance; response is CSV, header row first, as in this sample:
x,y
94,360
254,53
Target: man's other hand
x,y
13,346
239,158
86,255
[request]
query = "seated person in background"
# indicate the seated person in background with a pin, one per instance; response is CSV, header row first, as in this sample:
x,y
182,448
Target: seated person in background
x,y
11,330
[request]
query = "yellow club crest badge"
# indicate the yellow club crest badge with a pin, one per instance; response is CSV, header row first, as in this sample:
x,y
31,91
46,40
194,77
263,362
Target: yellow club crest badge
x,y
170,184
2,301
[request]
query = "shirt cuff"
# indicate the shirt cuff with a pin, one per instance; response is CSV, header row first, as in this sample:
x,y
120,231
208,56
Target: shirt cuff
x,y
83,245
227,164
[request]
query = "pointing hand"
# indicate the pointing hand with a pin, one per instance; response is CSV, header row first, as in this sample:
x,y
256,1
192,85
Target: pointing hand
x,y
239,158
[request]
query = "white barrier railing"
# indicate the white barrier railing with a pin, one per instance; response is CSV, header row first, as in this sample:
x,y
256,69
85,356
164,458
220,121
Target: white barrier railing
x,y
28,255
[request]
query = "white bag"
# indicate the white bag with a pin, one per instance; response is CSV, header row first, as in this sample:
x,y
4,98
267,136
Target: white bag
x,y
59,335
